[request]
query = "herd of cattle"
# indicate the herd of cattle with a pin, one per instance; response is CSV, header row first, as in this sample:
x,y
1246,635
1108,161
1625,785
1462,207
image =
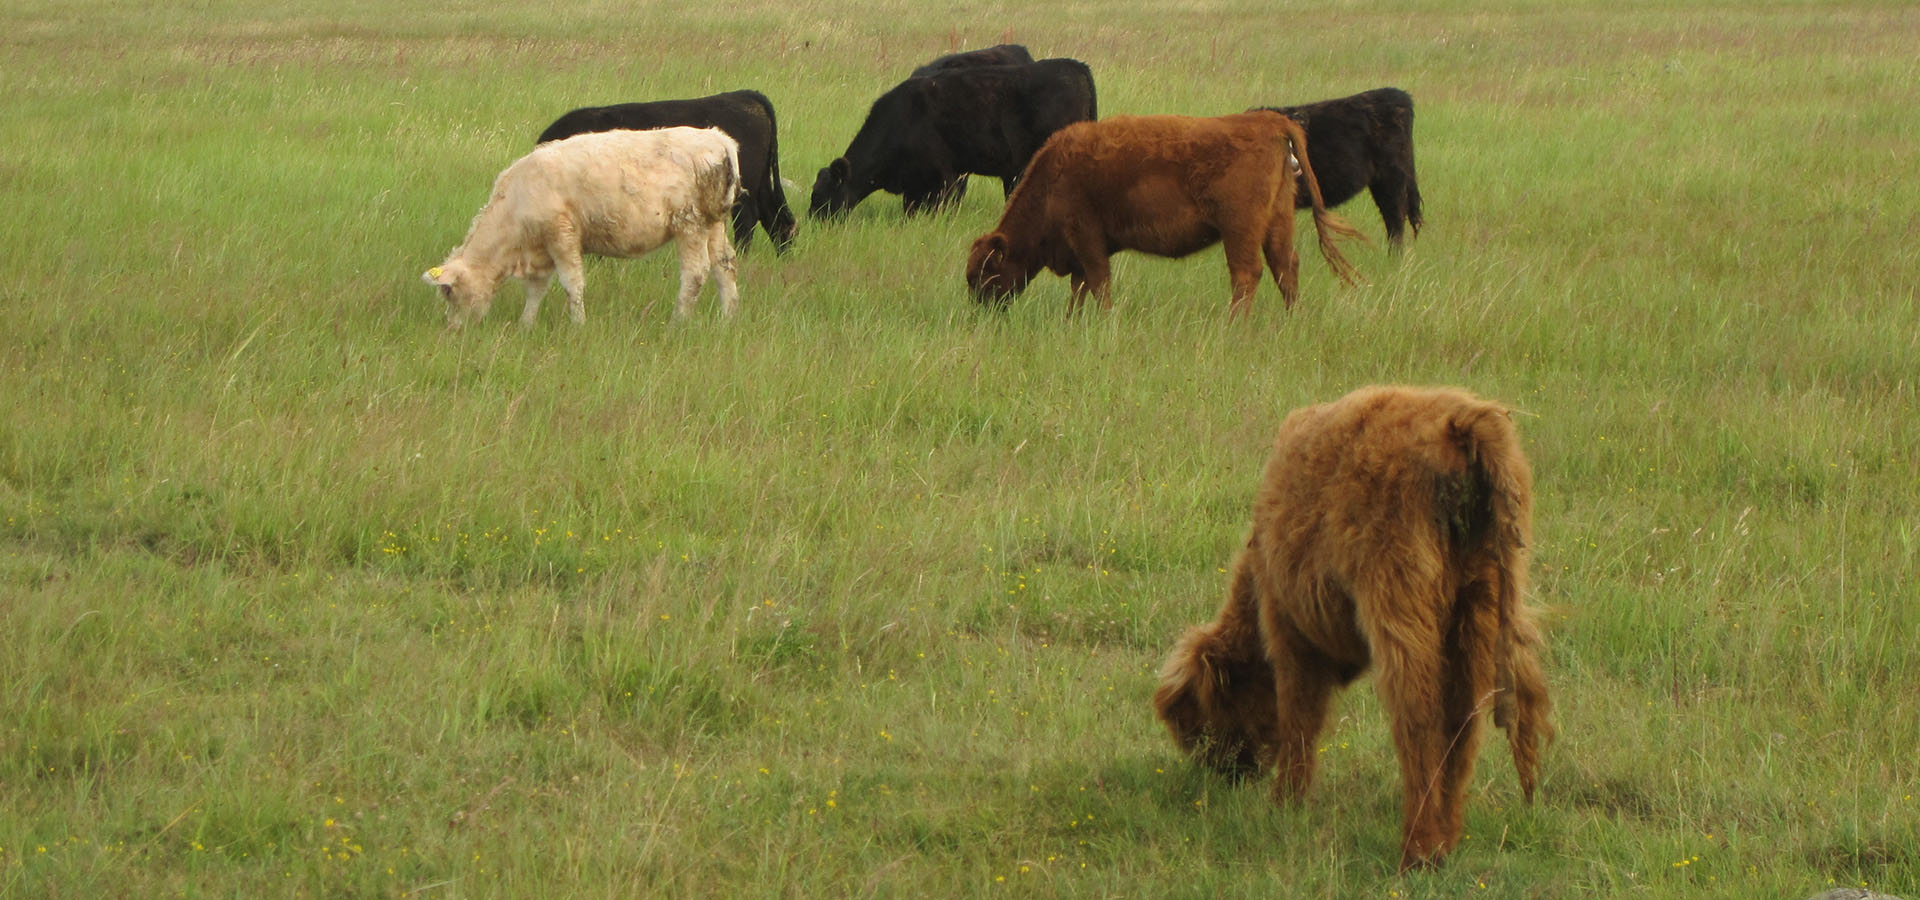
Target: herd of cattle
x,y
1392,527
623,180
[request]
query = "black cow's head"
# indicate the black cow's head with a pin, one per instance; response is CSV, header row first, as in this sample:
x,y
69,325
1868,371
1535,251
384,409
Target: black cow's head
x,y
833,191
992,276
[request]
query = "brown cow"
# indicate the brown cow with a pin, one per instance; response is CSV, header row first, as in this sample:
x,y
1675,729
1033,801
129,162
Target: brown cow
x,y
1166,185
1391,529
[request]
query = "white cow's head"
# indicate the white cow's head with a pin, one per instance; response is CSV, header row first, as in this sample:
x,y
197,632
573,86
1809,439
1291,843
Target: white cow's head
x,y
467,300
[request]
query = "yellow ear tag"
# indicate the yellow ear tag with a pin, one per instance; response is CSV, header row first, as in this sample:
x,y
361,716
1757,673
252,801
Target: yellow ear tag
x,y
435,271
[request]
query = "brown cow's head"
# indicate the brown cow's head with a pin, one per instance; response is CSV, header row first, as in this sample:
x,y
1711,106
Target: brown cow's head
x,y
992,276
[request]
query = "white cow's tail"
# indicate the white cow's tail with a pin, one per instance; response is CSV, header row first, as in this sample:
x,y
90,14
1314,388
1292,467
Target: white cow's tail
x,y
716,181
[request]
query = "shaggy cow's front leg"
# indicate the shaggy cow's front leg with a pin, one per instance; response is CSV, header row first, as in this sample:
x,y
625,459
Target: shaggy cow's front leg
x,y
1303,683
693,272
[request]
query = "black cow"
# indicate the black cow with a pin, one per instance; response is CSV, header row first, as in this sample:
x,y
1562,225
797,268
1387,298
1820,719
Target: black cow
x,y
928,131
746,116
1000,55
997,55
1364,141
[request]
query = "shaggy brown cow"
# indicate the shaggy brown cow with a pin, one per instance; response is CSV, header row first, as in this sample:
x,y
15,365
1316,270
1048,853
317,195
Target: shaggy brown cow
x,y
1166,185
1391,530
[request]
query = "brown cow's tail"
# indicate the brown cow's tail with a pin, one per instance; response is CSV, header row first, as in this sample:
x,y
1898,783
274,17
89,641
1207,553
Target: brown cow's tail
x,y
1487,434
1325,223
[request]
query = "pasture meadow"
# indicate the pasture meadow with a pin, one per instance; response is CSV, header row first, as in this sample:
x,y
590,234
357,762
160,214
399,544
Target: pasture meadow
x,y
862,593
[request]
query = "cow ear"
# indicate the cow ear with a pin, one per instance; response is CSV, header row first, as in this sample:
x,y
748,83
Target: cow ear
x,y
439,277
841,168
997,243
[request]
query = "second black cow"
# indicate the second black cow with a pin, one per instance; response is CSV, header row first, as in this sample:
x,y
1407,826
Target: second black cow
x,y
997,55
927,131
1364,141
746,116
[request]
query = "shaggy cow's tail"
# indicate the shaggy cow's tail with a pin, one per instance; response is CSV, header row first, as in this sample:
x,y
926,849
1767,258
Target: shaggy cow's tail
x,y
1325,223
1487,434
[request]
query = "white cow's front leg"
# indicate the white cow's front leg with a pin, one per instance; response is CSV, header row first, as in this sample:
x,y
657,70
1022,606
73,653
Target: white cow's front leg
x,y
536,289
693,272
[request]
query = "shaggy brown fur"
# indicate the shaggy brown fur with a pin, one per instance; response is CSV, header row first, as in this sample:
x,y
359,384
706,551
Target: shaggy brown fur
x,y
1166,185
1391,530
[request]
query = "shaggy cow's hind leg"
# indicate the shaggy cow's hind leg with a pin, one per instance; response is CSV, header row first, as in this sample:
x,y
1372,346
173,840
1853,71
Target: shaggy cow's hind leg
x,y
1469,697
1402,620
1530,730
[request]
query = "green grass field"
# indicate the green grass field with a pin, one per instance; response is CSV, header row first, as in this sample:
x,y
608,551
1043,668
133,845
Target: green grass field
x,y
862,593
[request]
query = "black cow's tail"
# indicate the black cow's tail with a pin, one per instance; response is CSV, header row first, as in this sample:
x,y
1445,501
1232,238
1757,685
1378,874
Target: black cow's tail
x,y
1414,216
1325,223
1093,96
775,215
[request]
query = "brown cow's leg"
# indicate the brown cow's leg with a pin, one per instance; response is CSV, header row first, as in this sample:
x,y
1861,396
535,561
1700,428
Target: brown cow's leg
x,y
1089,249
1283,259
1243,268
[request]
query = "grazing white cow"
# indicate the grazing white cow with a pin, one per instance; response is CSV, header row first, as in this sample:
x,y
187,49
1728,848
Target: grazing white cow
x,y
611,193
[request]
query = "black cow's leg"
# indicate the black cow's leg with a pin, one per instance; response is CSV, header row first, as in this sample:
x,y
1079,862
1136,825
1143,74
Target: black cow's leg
x,y
953,192
1390,194
744,220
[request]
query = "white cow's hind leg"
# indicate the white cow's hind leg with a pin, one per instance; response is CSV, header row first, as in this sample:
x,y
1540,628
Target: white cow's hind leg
x,y
565,249
573,280
693,272
720,253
